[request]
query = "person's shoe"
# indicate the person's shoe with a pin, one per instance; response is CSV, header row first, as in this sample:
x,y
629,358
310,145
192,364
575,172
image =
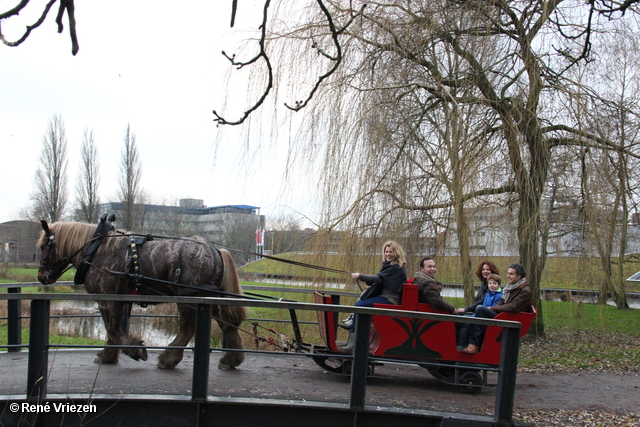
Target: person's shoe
x,y
471,349
460,348
348,322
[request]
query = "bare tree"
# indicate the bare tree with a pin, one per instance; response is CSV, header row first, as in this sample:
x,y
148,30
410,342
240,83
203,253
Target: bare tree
x,y
129,191
67,6
285,235
237,231
50,196
88,180
170,220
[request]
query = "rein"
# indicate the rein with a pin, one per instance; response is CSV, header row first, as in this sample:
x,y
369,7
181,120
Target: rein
x,y
289,261
283,260
140,277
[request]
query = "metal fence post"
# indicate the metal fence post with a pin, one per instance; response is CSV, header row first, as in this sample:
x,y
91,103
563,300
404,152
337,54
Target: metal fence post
x,y
506,389
201,355
14,325
360,362
38,349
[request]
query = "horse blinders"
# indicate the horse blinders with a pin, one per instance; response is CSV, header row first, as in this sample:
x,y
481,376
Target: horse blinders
x,y
50,268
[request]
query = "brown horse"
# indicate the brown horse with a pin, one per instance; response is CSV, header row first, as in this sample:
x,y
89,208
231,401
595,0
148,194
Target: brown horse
x,y
158,266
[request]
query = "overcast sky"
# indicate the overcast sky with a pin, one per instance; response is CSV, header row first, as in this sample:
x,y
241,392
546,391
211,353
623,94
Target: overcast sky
x,y
154,65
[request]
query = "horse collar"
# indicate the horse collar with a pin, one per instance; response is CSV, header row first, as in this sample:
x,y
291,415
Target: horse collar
x,y
102,230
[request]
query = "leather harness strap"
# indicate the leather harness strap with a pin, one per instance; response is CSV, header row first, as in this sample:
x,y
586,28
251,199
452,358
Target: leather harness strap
x,y
102,230
132,263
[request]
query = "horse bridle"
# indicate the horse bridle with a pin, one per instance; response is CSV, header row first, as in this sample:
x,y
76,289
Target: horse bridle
x,y
49,246
64,263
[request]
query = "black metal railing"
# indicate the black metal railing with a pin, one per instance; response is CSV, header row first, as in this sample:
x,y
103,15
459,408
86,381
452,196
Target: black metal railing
x,y
39,345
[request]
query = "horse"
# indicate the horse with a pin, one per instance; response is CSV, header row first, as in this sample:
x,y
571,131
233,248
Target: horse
x,y
125,263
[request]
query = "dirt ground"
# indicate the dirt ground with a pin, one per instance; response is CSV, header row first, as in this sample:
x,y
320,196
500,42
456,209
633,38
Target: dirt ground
x,y
541,399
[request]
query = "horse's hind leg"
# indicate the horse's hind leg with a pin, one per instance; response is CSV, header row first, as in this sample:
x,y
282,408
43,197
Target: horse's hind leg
x,y
231,340
169,358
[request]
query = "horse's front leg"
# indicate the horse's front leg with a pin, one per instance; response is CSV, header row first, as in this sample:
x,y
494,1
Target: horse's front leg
x,y
112,323
139,352
169,358
113,314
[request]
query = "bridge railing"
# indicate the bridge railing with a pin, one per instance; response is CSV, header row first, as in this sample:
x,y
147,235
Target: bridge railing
x,y
40,316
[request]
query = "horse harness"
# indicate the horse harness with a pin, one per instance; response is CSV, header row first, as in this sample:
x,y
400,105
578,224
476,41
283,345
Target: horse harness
x,y
102,230
133,268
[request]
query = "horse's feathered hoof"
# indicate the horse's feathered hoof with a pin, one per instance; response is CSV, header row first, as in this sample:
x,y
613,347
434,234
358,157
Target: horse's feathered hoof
x,y
226,367
103,358
231,361
163,366
139,353
168,359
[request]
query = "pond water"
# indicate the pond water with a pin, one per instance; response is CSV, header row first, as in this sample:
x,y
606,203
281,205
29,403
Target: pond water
x,y
93,327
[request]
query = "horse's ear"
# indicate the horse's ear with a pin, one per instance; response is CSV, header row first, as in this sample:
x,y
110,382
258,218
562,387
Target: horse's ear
x,y
112,218
45,226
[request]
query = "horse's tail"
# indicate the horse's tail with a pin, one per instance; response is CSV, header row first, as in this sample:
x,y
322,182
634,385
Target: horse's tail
x,y
231,283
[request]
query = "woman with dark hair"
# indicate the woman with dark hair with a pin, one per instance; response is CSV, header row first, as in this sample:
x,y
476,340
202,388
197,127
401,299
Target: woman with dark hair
x,y
516,298
483,271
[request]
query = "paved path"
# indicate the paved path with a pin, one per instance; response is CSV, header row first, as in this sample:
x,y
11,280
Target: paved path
x,y
299,378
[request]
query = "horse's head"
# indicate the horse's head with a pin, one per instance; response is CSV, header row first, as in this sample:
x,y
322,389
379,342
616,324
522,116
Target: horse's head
x,y
51,264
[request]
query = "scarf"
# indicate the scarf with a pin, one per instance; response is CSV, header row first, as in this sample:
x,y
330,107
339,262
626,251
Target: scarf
x,y
511,286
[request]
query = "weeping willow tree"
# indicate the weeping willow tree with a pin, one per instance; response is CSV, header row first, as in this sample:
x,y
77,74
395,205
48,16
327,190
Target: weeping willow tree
x,y
608,179
416,101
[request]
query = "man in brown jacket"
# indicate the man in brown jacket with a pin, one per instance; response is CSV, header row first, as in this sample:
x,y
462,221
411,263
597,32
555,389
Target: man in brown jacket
x,y
429,288
516,298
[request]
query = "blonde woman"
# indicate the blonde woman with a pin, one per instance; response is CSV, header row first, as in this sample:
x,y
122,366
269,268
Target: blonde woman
x,y
389,280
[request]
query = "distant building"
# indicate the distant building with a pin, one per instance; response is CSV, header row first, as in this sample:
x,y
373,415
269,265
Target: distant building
x,y
493,232
18,241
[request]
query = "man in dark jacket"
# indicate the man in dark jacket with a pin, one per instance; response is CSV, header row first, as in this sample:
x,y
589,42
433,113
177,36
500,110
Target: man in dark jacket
x,y
516,298
429,288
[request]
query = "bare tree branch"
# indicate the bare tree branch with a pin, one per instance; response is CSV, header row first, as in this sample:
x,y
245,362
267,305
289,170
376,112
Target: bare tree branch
x,y
30,28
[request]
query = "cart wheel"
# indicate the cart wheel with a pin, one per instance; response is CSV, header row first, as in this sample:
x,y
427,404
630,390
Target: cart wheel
x,y
471,382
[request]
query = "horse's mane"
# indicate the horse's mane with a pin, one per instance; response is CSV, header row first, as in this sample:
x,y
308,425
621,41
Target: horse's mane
x,y
69,236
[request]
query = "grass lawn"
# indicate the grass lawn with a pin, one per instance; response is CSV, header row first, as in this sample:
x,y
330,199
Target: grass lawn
x,y
53,339
584,337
